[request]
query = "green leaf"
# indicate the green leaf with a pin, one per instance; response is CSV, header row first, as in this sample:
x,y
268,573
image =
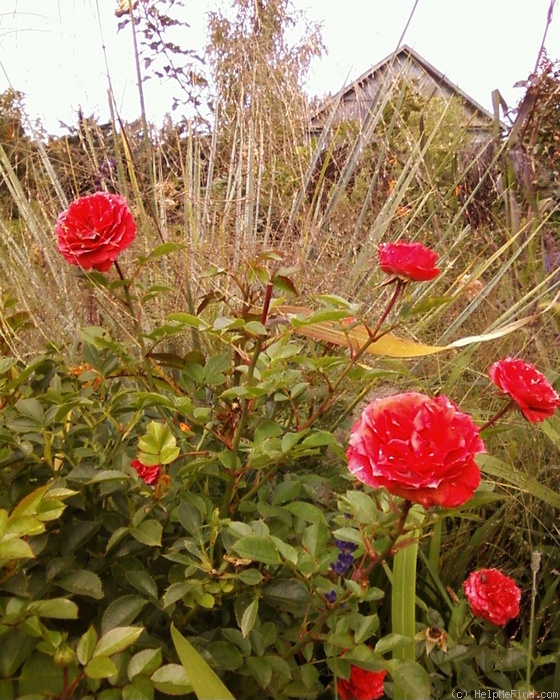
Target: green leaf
x,y
205,682
260,669
30,408
15,549
116,640
148,532
39,674
121,612
28,505
57,608
250,577
172,679
366,626
307,512
83,582
158,445
86,645
409,679
286,550
100,667
143,582
315,538
227,656
161,250
146,662
140,689
249,617
257,548
318,438
391,642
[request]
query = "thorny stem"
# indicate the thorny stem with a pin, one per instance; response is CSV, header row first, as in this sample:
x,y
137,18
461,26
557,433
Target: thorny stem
x,y
498,415
137,326
373,337
363,574
245,405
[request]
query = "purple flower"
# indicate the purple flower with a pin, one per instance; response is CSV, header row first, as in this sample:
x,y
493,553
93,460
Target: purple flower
x,y
343,563
331,597
346,546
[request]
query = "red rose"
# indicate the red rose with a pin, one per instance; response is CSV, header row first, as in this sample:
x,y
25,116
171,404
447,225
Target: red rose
x,y
417,447
148,474
492,596
410,260
362,685
94,230
528,387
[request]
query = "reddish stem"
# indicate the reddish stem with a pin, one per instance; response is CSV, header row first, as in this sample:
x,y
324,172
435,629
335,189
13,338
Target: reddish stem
x,y
498,415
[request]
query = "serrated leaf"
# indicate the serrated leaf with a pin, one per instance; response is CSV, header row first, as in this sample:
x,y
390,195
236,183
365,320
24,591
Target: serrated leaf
x,y
56,608
392,641
257,548
86,645
148,532
409,678
249,617
116,640
122,612
260,669
100,667
172,679
146,662
307,512
83,582
15,549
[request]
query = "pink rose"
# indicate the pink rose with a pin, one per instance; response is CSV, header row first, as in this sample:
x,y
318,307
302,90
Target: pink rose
x,y
148,474
362,685
94,230
413,261
492,596
528,387
417,447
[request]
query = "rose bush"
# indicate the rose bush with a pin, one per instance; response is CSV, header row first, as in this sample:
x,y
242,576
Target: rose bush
x,y
413,261
528,387
94,230
417,447
362,685
493,596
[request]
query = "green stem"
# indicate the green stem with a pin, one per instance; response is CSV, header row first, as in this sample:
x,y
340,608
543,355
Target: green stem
x,y
363,574
374,336
535,566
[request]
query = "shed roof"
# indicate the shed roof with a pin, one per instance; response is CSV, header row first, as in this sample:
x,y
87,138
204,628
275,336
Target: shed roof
x,y
401,57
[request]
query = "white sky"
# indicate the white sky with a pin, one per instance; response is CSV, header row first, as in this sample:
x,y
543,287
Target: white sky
x,y
51,49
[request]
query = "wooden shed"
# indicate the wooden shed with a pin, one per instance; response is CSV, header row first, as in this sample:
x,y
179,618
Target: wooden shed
x,y
354,102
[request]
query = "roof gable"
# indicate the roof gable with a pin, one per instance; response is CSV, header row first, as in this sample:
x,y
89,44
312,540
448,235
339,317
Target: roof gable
x,y
354,101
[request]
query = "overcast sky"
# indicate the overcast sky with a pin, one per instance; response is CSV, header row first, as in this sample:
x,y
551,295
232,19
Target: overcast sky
x,y
52,49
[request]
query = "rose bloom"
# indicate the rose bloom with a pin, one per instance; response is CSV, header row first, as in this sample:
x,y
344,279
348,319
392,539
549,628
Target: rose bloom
x,y
417,447
362,685
528,387
413,261
148,474
94,230
493,596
